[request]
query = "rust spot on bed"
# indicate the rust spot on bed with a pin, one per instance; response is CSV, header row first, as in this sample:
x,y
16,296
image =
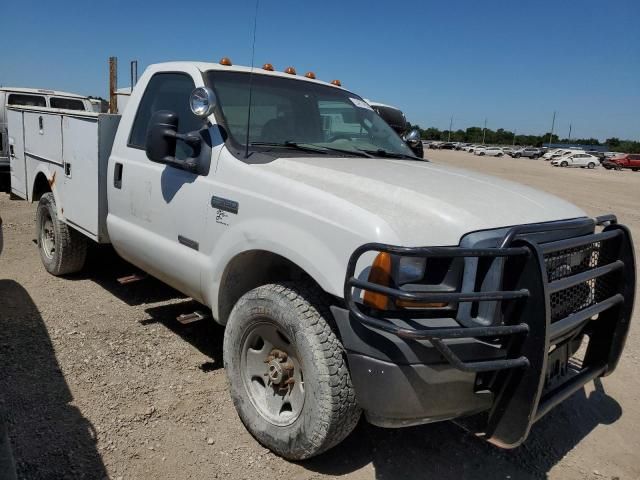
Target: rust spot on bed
x,y
52,180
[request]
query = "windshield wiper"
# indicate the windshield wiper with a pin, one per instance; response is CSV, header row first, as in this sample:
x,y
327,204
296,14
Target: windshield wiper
x,y
288,144
312,147
385,153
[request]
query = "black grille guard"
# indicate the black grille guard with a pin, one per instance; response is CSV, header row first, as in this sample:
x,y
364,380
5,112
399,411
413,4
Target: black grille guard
x,y
519,379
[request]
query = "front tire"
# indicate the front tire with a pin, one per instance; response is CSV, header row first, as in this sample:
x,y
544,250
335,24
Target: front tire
x,y
287,371
517,155
591,166
63,250
564,164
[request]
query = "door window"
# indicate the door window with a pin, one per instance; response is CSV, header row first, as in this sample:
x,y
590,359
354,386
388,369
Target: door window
x,y
166,91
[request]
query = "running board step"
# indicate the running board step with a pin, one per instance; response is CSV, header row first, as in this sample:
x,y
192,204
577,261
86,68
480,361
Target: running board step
x,y
131,278
196,316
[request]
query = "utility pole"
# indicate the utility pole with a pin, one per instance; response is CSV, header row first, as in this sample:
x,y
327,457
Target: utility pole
x,y
514,138
553,124
569,133
450,127
484,130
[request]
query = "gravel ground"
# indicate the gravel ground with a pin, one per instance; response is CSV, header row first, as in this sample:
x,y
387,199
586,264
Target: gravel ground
x,y
98,380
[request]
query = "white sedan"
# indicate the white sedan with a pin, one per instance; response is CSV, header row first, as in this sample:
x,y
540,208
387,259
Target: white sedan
x,y
576,160
490,151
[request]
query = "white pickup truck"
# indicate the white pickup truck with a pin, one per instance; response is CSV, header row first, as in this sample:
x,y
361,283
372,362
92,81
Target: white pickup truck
x,y
351,276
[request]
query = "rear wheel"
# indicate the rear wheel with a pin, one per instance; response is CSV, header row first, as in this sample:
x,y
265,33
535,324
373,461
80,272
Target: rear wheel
x,y
500,154
591,165
287,371
564,164
535,157
63,250
517,155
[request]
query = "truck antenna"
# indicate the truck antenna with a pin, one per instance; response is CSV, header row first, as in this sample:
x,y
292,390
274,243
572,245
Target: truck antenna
x,y
253,53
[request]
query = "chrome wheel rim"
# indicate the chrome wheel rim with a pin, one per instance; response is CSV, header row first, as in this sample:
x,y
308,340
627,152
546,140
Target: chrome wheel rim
x,y
272,374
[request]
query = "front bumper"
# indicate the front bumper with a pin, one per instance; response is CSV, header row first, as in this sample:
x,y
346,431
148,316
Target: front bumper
x,y
410,366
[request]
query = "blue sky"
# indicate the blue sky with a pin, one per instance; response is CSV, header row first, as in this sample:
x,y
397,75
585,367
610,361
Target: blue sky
x,y
512,62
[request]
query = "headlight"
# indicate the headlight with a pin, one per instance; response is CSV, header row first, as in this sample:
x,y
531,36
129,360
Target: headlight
x,y
410,270
394,271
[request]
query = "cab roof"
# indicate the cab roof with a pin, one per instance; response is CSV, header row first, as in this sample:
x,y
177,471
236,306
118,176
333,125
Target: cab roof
x,y
257,70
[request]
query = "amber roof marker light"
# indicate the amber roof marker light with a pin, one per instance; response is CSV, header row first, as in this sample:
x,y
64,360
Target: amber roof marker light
x,y
226,61
337,83
290,70
310,75
268,67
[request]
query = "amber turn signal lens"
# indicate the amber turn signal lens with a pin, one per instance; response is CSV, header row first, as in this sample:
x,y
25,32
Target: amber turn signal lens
x,y
226,61
380,274
290,70
337,83
267,66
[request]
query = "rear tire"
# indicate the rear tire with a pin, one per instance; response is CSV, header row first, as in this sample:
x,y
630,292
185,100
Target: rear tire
x,y
564,164
63,250
318,409
517,155
591,166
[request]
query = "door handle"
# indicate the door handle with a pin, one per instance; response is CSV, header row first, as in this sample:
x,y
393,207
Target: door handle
x,y
117,175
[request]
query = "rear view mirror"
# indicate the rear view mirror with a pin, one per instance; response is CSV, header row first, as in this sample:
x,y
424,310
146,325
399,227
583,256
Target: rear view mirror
x,y
412,136
160,143
162,135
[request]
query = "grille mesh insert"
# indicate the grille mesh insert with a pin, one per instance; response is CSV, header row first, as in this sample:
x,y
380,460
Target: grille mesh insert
x,y
576,260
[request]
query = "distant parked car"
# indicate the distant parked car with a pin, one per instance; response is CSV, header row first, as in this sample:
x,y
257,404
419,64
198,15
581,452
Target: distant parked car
x,y
472,148
583,160
479,150
447,146
490,151
562,152
529,152
508,150
624,160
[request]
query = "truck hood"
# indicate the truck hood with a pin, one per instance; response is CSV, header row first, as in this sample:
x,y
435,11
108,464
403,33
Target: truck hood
x,y
423,202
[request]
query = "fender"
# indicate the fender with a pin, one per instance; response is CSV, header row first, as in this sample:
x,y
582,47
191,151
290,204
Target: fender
x,y
54,175
287,240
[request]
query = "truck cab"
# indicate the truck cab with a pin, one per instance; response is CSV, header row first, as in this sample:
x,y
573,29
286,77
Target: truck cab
x,y
350,276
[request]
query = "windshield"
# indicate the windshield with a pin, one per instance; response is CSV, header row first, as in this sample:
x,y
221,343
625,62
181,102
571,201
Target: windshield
x,y
289,111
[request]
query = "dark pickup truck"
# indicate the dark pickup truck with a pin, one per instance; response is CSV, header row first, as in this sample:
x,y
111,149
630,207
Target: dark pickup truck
x,y
627,160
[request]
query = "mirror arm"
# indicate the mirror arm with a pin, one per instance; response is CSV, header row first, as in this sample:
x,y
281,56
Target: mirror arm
x,y
193,141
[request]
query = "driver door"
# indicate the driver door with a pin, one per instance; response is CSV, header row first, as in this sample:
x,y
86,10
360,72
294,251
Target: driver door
x,y
156,211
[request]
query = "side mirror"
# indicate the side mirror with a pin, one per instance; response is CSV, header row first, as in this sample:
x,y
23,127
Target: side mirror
x,y
412,136
162,135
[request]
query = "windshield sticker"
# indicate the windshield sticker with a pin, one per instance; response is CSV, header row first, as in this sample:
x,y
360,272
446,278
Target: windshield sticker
x,y
360,103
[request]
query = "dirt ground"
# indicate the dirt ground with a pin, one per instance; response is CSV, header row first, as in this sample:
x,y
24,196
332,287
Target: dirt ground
x,y
98,380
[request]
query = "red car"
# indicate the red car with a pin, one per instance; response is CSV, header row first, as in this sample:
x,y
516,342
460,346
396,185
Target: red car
x,y
624,160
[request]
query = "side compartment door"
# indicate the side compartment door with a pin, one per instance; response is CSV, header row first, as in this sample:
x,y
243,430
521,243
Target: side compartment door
x,y
17,159
157,212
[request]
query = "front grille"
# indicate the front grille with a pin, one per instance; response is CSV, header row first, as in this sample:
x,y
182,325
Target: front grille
x,y
576,260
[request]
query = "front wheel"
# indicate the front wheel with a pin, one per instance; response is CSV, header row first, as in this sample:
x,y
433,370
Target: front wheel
x,y
63,250
287,371
535,157
517,155
591,165
564,164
